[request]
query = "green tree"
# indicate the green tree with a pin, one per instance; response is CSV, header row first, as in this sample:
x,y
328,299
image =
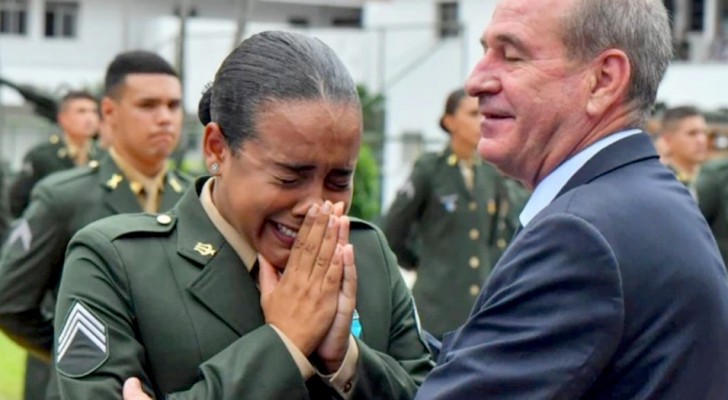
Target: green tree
x,y
366,202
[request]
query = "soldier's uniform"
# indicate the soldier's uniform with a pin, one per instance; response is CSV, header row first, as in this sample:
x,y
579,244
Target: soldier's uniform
x,y
168,299
33,253
41,161
711,187
452,232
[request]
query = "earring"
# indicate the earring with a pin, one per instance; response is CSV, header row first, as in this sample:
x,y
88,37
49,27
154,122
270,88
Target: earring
x,y
214,168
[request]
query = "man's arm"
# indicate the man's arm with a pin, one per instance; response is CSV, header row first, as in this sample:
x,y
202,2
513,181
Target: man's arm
x,y
547,322
708,187
32,253
19,192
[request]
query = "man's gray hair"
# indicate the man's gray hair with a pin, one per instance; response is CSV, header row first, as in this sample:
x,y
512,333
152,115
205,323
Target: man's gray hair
x,y
640,28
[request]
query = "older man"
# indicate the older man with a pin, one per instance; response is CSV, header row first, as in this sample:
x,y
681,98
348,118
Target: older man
x,y
614,288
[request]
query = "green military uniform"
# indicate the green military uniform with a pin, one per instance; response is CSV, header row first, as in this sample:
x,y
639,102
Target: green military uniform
x,y
41,161
452,235
33,254
711,188
168,300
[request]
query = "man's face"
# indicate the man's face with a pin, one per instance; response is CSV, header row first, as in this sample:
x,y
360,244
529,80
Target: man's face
x,y
79,118
145,117
532,97
688,141
305,153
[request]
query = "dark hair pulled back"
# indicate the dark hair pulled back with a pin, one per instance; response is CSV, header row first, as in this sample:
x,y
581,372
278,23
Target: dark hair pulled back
x,y
268,67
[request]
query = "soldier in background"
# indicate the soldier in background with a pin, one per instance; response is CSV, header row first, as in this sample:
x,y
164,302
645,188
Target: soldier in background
x,y
78,119
684,133
142,107
452,220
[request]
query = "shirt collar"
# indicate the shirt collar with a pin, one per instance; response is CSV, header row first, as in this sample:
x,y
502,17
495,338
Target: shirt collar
x,y
245,251
137,180
549,188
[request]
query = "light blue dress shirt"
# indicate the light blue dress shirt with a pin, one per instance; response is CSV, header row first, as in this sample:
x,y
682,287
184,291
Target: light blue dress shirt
x,y
550,186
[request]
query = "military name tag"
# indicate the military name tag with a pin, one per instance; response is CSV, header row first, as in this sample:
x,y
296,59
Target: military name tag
x,y
83,343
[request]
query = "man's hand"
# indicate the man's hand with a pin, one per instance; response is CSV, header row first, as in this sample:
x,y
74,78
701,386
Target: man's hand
x,y
302,301
133,390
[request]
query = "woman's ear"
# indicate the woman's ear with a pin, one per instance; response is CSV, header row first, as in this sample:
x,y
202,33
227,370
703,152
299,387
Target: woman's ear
x,y
215,148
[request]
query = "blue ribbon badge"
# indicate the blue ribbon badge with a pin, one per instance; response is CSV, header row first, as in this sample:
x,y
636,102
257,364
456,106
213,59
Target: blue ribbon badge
x,y
355,325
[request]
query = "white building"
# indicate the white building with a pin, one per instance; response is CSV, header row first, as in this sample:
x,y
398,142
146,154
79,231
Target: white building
x,y
412,51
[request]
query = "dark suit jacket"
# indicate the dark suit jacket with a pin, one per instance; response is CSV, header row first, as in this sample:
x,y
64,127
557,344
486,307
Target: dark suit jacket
x,y
616,290
190,321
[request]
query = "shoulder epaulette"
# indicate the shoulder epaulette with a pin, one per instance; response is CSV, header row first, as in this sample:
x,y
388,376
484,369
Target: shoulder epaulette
x,y
122,225
67,176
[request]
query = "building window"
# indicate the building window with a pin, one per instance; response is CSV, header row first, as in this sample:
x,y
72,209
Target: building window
x,y
13,16
447,18
61,19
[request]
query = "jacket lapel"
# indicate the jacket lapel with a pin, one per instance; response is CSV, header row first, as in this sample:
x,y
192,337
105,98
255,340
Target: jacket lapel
x,y
173,189
224,285
626,151
118,196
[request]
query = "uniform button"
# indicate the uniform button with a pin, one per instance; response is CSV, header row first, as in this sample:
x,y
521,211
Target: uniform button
x,y
474,290
491,207
473,206
347,387
502,244
164,219
93,164
474,234
474,262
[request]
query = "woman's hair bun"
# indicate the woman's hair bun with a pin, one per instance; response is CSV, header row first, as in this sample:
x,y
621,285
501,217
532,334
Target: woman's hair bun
x,y
204,112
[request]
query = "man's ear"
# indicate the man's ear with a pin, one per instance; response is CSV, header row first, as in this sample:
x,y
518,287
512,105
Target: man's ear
x,y
108,108
608,81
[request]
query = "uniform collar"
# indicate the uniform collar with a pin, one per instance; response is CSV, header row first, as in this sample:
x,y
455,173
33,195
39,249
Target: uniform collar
x,y
137,180
245,251
453,159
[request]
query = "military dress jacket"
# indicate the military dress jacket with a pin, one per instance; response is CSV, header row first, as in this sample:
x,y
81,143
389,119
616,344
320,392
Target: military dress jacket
x,y
711,187
168,300
451,235
41,161
33,253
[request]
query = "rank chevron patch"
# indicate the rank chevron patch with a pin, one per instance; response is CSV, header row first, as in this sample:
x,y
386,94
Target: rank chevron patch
x,y
82,345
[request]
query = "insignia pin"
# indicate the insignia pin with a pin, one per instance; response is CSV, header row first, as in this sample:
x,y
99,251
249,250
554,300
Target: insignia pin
x,y
114,181
175,185
355,325
205,249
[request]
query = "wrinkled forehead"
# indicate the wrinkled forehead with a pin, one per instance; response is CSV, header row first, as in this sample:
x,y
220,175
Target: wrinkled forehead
x,y
538,14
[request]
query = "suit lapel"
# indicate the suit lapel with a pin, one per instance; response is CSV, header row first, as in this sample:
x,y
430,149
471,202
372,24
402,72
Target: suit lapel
x,y
224,285
626,151
118,197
